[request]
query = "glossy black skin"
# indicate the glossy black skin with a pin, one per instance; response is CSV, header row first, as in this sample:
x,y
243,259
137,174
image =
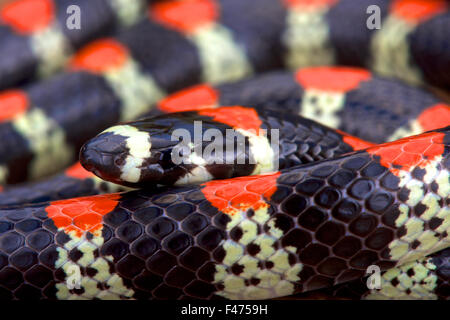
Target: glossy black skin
x,y
104,153
350,41
300,141
58,187
166,245
381,105
19,63
80,103
62,186
94,105
172,72
350,59
356,290
249,23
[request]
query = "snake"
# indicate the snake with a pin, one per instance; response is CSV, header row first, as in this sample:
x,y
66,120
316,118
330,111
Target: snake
x,y
281,248
410,281
121,77
409,111
250,237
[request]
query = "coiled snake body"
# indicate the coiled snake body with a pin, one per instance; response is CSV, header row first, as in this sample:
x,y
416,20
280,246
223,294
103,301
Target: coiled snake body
x,y
339,204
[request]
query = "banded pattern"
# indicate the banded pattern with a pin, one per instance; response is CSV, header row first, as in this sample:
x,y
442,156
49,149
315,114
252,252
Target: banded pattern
x,y
391,50
250,237
426,279
126,77
313,226
386,109
36,38
221,57
307,34
40,131
198,146
137,76
107,81
402,46
401,110
411,43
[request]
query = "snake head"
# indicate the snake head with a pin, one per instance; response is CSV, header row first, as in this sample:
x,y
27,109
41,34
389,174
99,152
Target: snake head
x,y
125,155
161,150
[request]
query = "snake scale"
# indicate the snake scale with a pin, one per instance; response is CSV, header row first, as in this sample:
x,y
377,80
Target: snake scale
x,y
311,226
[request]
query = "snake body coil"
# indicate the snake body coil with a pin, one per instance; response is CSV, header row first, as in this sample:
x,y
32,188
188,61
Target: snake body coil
x,y
264,236
117,79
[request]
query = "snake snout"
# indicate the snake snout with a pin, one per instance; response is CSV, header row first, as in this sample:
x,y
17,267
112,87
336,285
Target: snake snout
x,y
104,156
88,158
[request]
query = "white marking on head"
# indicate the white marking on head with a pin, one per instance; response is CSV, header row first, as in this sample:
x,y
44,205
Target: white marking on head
x,y
139,145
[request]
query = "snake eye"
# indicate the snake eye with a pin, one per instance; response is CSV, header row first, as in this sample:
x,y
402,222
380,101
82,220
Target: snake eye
x,y
88,158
